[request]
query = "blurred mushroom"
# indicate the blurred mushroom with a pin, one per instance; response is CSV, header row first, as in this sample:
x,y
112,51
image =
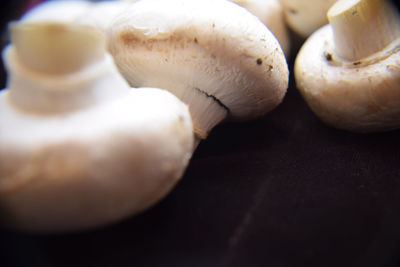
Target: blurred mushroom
x,y
98,15
78,147
57,11
306,16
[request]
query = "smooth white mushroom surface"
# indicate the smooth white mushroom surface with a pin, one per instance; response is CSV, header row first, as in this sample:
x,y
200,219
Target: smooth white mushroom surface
x,y
57,11
270,12
98,15
221,61
78,147
102,14
306,16
350,78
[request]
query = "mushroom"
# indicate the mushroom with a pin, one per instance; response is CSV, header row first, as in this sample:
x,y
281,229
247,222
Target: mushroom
x,y
306,16
222,61
270,12
99,15
349,71
57,11
78,147
102,14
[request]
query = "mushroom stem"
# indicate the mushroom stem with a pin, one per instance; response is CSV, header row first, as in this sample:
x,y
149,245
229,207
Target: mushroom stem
x,y
56,48
210,111
362,27
55,67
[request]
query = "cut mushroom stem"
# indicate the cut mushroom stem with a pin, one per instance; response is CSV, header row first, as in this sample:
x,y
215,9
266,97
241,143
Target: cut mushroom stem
x,y
61,64
99,15
54,48
362,27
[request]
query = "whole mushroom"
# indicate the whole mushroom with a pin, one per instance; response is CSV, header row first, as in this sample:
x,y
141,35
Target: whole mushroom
x,y
221,61
78,147
349,71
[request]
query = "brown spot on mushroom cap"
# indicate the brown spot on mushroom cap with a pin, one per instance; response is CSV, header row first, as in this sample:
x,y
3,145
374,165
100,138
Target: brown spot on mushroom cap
x,y
128,38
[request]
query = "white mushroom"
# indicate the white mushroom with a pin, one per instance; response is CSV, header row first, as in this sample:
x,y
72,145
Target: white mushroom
x,y
349,71
78,147
222,61
270,12
102,14
57,11
306,16
99,15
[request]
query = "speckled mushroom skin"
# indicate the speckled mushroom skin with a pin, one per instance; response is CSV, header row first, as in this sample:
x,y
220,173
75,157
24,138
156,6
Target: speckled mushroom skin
x,y
92,164
360,96
224,52
270,12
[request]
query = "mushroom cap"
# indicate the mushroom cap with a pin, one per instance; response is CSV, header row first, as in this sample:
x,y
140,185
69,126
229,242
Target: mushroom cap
x,y
306,16
92,167
90,163
361,96
270,12
215,47
102,14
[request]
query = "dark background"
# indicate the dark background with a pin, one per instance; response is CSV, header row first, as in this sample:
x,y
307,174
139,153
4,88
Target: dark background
x,y
283,191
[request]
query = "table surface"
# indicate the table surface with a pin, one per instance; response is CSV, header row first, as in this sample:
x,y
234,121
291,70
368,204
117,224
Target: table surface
x,y
285,190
